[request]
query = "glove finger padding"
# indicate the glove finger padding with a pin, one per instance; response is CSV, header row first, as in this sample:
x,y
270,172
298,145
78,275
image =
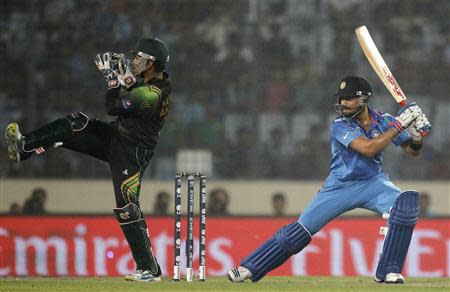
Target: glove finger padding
x,y
414,134
422,125
127,79
99,62
408,114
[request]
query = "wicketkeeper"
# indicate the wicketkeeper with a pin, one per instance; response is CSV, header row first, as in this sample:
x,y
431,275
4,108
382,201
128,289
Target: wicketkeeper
x,y
139,96
356,180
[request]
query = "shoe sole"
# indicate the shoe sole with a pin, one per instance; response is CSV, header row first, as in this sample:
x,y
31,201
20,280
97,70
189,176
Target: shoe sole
x,y
156,279
398,281
12,136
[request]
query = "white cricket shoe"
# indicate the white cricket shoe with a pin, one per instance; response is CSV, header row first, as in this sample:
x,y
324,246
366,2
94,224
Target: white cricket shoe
x,y
238,274
142,276
394,278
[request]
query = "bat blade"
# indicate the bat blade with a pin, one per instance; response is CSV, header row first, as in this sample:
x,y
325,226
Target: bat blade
x,y
379,65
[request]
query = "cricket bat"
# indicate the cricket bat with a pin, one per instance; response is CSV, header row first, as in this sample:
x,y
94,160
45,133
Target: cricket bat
x,y
379,65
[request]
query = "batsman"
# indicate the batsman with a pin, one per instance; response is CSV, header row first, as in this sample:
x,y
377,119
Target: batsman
x,y
356,180
138,95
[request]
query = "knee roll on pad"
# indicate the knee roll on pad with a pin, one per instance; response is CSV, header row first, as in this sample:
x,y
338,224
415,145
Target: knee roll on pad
x,y
78,121
289,240
128,214
402,219
405,211
135,230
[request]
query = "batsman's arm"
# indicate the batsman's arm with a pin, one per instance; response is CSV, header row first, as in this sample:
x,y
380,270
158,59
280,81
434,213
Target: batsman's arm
x,y
370,147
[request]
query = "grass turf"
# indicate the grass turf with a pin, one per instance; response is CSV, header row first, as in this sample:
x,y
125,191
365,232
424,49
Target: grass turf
x,y
221,284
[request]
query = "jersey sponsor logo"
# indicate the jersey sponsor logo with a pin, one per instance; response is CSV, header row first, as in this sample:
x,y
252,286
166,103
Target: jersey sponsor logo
x,y
345,136
126,103
125,172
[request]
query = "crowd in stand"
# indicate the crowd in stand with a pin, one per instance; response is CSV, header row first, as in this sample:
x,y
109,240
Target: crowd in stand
x,y
236,67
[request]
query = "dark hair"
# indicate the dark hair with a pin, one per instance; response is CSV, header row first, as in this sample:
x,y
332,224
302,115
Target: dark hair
x,y
278,196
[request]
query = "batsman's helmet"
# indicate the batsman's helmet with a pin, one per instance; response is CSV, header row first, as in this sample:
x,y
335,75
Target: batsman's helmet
x,y
356,87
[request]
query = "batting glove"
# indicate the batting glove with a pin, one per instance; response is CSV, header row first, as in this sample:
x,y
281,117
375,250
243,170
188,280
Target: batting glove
x,y
108,64
406,116
422,125
414,134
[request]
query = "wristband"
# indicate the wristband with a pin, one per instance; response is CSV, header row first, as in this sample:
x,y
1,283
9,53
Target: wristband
x,y
414,145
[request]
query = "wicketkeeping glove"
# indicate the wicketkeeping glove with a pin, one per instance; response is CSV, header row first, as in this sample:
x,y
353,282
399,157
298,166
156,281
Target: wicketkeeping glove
x,y
406,116
126,77
108,64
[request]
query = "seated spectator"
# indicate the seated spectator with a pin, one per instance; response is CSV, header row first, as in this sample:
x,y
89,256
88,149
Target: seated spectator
x,y
35,205
279,204
14,209
161,206
424,205
276,154
218,202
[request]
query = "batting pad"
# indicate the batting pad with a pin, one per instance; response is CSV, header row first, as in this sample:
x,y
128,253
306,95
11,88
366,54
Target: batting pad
x,y
289,240
402,219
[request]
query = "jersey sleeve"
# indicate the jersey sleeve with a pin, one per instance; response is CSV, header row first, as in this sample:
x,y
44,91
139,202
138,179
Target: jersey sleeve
x,y
135,101
345,132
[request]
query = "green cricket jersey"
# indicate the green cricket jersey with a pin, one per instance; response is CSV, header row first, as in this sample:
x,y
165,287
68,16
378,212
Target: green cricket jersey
x,y
141,111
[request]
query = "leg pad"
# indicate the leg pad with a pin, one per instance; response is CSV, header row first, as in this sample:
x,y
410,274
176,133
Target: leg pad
x,y
289,240
135,230
402,220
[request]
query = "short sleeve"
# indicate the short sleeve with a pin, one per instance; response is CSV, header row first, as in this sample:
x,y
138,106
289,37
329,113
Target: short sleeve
x,y
345,132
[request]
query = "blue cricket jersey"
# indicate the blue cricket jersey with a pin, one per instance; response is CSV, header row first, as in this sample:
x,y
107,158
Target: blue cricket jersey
x,y
346,163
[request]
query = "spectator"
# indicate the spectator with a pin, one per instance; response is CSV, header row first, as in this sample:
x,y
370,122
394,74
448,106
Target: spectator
x,y
161,206
279,204
218,202
14,209
240,159
424,204
276,154
35,205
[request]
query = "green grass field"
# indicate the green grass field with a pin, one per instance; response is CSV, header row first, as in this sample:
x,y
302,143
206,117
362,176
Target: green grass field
x,y
222,284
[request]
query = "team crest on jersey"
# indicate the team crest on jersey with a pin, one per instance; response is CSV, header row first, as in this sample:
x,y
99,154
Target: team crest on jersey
x,y
342,85
375,133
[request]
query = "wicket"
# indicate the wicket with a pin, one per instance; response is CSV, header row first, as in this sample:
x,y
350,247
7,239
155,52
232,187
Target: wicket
x,y
190,226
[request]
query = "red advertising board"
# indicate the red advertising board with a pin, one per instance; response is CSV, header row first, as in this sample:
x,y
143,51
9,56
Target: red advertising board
x,y
95,246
